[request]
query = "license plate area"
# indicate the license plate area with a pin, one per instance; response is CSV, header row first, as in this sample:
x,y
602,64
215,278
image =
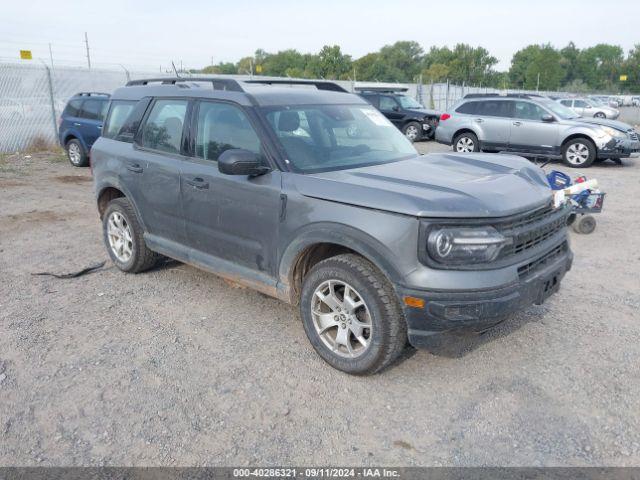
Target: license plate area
x,y
548,286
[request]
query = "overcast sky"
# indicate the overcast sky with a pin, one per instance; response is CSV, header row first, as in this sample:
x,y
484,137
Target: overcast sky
x,y
153,32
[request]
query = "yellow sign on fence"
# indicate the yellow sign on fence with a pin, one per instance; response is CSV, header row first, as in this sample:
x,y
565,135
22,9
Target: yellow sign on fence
x,y
258,68
26,55
623,78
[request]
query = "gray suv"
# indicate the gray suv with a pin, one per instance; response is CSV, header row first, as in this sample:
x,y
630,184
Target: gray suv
x,y
528,125
312,196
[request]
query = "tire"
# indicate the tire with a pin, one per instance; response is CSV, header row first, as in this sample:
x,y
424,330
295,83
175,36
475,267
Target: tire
x,y
76,154
384,340
140,258
599,115
584,224
466,142
413,131
578,153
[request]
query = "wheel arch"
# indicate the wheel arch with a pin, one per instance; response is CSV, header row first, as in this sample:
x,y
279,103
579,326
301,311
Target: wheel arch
x,y
575,136
324,241
110,191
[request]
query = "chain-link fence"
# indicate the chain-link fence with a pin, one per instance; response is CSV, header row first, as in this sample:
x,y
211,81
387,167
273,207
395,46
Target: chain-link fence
x,y
32,97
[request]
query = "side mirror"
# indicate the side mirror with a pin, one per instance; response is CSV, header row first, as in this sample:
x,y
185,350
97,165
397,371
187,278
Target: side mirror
x,y
237,161
396,108
548,118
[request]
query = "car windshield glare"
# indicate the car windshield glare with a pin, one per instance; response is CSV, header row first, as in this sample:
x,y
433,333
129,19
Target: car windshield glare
x,y
560,110
319,138
408,102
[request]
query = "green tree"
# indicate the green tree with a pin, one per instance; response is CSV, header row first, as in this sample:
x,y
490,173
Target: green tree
x,y
330,63
536,63
225,68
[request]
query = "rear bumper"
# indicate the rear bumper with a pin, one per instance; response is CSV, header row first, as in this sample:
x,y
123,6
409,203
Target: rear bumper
x,y
479,310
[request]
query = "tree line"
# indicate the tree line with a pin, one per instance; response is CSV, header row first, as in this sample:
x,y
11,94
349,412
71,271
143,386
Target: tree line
x,y
596,68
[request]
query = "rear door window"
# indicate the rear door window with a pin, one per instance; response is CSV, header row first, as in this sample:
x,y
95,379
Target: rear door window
x,y
495,108
94,109
164,125
468,108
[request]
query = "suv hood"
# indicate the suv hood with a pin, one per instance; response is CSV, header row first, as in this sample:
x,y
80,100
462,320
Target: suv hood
x,y
453,185
623,127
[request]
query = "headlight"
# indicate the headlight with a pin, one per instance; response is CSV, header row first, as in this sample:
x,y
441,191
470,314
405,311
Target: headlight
x,y
458,245
614,133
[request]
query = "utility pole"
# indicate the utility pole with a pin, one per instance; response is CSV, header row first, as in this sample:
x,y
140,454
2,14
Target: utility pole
x,y
86,42
538,84
51,56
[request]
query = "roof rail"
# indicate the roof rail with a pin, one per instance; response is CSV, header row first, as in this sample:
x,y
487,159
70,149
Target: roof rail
x,y
89,94
382,89
319,84
217,83
480,95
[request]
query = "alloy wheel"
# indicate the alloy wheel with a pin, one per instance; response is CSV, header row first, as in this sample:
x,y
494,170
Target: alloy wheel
x,y
341,318
411,133
120,238
465,145
74,153
577,153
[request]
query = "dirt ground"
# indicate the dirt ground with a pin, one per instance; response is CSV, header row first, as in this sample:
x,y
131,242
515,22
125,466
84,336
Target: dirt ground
x,y
177,367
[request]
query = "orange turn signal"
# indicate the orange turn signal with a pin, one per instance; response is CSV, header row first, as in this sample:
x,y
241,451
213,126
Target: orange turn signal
x,y
414,302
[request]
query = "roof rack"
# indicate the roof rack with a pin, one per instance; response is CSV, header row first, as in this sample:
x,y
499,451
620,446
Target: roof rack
x,y
319,84
508,95
480,95
382,89
90,94
217,83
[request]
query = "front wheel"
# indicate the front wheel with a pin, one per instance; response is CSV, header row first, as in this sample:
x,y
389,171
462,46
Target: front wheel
x,y
351,315
466,142
412,131
579,153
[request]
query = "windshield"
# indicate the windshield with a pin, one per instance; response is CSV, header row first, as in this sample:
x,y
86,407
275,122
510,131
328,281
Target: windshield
x,y
320,138
408,102
560,110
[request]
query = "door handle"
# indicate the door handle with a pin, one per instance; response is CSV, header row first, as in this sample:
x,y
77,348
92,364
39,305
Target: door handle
x,y
135,168
77,124
198,183
517,124
99,127
479,120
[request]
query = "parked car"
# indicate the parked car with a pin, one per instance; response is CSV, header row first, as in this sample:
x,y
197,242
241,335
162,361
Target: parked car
x,y
605,100
375,243
528,125
635,101
415,121
586,107
80,125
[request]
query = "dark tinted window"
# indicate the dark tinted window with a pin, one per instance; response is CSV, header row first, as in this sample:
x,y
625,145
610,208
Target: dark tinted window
x,y
566,103
118,114
494,108
163,128
528,111
221,127
387,103
371,98
94,109
469,108
73,108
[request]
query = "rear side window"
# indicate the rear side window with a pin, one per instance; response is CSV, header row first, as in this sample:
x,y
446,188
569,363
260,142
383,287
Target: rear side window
x,y
118,115
566,103
221,127
494,108
372,99
163,128
94,109
468,108
73,108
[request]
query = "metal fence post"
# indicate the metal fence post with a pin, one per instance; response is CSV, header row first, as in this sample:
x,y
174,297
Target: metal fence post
x,y
52,101
446,100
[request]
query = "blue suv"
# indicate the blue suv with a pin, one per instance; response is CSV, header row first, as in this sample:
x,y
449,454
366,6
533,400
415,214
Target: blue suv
x,y
80,125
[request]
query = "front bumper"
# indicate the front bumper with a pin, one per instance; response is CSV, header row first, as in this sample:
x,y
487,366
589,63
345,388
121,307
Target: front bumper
x,y
621,148
482,309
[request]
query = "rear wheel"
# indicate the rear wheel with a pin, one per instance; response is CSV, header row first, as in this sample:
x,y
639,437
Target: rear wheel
x,y
600,115
76,153
412,131
579,153
351,315
466,142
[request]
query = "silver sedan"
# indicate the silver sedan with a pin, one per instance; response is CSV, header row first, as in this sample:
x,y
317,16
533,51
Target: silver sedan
x,y
588,107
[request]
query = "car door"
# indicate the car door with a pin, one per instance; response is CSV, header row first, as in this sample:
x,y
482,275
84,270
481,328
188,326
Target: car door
x,y
92,116
529,133
229,217
493,119
390,108
153,168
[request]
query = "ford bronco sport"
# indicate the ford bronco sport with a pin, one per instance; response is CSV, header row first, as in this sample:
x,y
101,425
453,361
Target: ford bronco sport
x,y
262,184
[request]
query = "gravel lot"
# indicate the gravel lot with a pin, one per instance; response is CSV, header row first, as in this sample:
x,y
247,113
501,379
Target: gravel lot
x,y
178,367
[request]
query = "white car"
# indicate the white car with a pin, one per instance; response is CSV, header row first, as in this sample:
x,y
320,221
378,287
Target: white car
x,y
588,107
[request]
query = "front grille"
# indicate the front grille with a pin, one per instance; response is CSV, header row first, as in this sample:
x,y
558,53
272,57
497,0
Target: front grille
x,y
525,270
531,229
